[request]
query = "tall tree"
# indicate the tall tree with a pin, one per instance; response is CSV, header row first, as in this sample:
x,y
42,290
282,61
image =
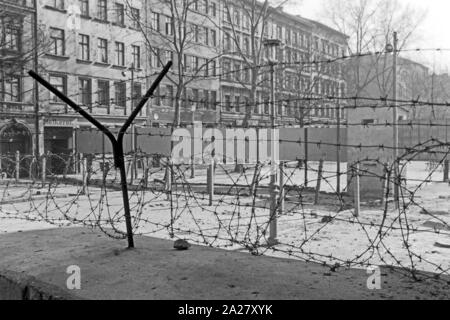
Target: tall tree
x,y
370,25
253,16
179,35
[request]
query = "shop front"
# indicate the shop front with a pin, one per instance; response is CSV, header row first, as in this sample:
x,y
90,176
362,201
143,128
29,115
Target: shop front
x,y
15,138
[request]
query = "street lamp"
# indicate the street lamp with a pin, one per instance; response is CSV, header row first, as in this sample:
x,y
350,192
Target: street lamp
x,y
270,45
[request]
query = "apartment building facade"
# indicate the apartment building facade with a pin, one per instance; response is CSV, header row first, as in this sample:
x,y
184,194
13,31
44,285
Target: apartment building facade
x,y
308,68
17,103
104,54
96,57
189,35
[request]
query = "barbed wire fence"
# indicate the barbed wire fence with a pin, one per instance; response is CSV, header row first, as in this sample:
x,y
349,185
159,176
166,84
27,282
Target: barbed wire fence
x,y
314,226
219,207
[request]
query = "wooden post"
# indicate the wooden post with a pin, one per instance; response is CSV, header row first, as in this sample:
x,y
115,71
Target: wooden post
x,y
17,165
338,149
211,182
357,192
168,178
84,170
319,181
306,157
384,196
80,163
44,169
282,190
446,169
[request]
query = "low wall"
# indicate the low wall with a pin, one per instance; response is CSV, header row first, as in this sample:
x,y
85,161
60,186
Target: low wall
x,y
17,286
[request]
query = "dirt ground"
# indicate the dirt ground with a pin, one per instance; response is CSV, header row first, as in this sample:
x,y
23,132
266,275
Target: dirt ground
x,y
156,271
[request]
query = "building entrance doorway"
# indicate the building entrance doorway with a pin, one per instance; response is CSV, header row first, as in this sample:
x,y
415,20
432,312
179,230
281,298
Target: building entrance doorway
x,y
14,138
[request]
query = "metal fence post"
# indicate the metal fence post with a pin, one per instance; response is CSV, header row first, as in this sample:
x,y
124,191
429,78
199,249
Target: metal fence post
x,y
282,189
117,142
44,169
17,165
357,194
319,182
446,169
211,182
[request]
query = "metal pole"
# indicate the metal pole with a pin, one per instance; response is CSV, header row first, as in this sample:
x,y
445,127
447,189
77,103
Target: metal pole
x,y
357,192
194,142
211,181
36,87
306,157
338,154
282,189
273,177
395,125
17,165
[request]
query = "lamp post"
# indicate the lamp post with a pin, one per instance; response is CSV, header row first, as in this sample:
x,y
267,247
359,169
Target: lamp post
x,y
394,48
271,44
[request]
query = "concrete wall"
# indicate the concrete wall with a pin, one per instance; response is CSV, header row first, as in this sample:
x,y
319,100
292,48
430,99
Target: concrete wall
x,y
17,286
322,144
367,150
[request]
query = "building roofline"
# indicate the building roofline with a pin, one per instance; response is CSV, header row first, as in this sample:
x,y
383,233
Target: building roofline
x,y
328,28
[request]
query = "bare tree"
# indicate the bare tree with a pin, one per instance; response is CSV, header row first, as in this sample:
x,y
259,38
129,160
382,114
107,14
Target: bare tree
x,y
370,24
255,16
180,35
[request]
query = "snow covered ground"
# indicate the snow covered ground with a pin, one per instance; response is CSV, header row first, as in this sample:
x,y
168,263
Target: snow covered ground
x,y
408,237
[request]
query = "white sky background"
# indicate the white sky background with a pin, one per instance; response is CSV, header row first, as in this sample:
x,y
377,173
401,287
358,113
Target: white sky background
x,y
434,31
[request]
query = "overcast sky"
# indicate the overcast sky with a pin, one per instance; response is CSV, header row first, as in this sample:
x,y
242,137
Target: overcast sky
x,y
435,30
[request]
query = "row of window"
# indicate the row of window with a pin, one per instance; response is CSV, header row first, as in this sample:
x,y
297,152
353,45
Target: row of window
x,y
86,96
286,106
86,7
58,48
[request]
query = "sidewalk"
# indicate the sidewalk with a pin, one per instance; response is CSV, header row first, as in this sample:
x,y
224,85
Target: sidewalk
x,y
156,271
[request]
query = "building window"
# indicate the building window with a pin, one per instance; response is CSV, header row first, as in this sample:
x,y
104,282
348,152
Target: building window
x,y
102,10
12,37
136,56
137,94
12,91
57,4
213,9
103,93
120,14
84,53
237,103
85,92
213,97
121,94
136,18
103,50
84,7
169,29
120,54
169,96
213,38
155,21
57,42
59,82
227,103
